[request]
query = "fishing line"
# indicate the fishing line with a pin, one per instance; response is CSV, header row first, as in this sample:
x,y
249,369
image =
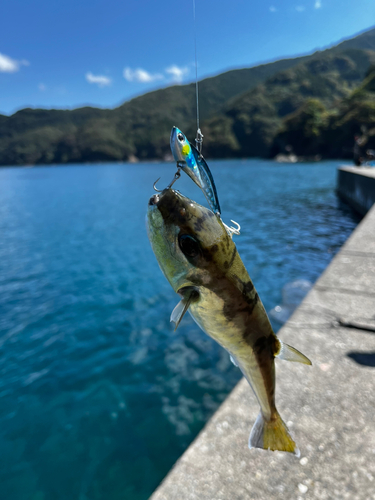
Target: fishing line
x,y
199,138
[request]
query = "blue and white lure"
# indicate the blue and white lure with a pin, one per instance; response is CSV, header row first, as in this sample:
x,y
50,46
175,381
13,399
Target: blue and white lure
x,y
194,165
191,161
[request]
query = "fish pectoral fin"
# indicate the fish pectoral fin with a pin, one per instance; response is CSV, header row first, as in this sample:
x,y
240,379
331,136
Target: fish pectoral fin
x,y
190,295
233,360
178,313
288,353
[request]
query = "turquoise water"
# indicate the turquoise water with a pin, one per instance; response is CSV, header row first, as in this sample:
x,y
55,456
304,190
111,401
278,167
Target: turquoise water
x,y
98,396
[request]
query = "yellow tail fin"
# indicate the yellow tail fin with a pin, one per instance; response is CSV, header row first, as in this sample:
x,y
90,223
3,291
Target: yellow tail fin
x,y
272,435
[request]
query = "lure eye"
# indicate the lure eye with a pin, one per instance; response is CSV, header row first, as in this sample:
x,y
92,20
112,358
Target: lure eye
x,y
189,245
180,137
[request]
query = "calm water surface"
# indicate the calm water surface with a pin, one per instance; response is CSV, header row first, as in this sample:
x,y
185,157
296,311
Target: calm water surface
x,y
98,396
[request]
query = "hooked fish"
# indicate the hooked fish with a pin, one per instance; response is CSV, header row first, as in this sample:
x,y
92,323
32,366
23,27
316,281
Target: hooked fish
x,y
201,262
195,166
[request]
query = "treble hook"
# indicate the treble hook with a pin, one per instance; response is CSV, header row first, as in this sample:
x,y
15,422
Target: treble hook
x,y
232,230
154,186
237,229
177,175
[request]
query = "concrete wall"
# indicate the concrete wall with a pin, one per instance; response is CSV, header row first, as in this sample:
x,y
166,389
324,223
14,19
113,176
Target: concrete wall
x,y
356,186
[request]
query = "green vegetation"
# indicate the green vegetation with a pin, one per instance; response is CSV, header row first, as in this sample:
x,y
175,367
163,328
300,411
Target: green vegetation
x,y
312,105
264,120
314,130
302,130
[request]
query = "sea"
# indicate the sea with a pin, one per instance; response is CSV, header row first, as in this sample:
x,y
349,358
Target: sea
x,y
98,396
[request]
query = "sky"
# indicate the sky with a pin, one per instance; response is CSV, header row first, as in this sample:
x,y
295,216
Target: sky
x,y
71,53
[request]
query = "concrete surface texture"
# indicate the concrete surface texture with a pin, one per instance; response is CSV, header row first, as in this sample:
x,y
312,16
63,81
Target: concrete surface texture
x,y
356,186
329,407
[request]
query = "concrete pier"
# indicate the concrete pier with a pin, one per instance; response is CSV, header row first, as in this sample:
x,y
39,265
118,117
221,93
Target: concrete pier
x,y
356,186
329,406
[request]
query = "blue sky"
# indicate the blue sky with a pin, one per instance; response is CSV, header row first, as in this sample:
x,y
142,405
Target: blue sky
x,y
70,53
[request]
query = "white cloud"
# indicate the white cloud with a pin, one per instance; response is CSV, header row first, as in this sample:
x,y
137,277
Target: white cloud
x,y
300,8
100,80
42,87
8,65
272,9
141,75
318,4
177,73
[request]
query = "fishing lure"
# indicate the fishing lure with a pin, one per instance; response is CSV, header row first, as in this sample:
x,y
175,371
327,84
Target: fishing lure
x,y
194,165
191,161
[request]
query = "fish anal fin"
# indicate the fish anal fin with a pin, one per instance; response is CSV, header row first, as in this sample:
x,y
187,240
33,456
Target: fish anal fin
x,y
190,295
289,353
272,435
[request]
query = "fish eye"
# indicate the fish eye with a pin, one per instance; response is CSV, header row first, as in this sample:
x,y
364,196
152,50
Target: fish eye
x,y
180,137
189,245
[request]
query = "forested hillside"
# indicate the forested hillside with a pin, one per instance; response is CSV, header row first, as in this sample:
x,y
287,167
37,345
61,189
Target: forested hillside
x,y
315,130
249,124
244,112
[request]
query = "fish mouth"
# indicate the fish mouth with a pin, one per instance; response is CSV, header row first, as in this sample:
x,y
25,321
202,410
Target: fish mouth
x,y
157,200
172,205
154,200
166,196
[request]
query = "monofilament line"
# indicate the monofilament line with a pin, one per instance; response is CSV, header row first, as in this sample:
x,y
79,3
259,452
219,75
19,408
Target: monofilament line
x,y
196,64
199,138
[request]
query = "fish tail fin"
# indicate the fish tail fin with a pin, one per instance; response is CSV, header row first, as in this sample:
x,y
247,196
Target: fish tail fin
x,y
272,435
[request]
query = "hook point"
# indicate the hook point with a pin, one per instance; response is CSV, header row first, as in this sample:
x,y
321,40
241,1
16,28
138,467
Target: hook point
x,y
154,186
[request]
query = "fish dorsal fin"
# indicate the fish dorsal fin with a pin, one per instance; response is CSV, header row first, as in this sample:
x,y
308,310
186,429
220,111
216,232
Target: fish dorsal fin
x,y
190,295
288,353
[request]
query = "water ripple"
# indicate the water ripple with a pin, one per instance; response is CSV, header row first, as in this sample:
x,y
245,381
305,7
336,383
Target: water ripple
x,y
98,396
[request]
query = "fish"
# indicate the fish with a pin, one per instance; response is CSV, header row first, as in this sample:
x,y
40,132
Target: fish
x,y
195,166
201,262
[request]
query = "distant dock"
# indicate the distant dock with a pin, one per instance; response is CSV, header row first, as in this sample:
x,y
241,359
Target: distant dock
x,y
329,406
356,186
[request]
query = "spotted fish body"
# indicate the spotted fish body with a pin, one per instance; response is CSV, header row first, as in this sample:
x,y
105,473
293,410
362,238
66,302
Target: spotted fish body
x,y
201,262
195,166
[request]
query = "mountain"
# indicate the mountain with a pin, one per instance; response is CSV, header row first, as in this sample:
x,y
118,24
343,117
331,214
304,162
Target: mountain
x,y
364,40
241,112
139,127
315,130
249,123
